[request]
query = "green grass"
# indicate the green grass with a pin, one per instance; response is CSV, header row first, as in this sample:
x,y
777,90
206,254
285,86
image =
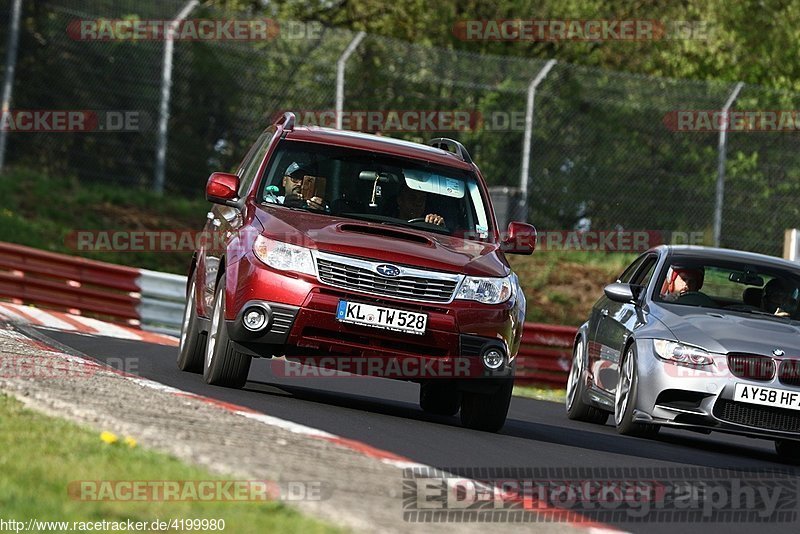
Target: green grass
x,y
40,456
540,393
42,212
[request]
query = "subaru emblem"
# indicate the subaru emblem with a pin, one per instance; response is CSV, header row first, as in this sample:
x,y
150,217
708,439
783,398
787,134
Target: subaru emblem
x,y
778,353
390,271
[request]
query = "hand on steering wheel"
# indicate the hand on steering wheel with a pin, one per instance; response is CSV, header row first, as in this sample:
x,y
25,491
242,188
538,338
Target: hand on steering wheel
x,y
431,218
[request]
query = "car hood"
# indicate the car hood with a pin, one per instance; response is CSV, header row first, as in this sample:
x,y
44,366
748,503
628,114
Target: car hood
x,y
383,242
718,331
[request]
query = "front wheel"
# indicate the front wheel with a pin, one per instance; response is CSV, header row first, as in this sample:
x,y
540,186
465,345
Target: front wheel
x,y
625,400
192,343
486,411
224,365
577,409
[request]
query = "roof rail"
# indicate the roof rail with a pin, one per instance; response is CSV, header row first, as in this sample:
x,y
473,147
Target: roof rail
x,y
287,120
451,145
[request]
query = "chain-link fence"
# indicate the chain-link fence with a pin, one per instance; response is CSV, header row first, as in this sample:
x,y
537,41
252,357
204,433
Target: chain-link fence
x,y
605,148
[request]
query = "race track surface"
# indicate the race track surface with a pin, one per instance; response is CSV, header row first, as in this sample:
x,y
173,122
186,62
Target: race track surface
x,y
385,414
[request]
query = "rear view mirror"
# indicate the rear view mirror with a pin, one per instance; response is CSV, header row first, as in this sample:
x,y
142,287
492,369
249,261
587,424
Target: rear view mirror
x,y
521,239
747,278
374,176
223,188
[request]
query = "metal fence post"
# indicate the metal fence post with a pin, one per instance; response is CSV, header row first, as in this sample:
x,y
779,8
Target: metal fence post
x,y
340,66
8,84
166,88
526,143
721,157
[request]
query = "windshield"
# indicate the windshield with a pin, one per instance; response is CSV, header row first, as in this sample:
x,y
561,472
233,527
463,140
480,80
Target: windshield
x,y
730,286
375,187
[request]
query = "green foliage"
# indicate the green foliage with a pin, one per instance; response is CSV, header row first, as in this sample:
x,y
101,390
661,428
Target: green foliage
x,y
40,456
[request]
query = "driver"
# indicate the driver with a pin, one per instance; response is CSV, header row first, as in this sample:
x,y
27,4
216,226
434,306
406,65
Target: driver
x,y
293,190
411,205
680,281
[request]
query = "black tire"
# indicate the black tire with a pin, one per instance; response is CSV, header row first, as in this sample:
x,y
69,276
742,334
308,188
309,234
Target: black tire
x,y
440,398
191,350
623,412
486,411
788,451
577,409
223,364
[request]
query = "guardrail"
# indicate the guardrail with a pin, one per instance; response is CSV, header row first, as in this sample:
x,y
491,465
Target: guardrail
x,y
545,354
154,301
136,297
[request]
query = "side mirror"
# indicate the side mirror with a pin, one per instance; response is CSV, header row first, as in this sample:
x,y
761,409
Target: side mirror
x,y
223,188
521,239
619,292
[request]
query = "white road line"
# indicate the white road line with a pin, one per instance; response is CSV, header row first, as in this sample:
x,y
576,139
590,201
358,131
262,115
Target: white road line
x,y
295,428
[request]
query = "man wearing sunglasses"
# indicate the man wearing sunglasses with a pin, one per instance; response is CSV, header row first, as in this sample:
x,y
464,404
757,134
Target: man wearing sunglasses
x,y
293,191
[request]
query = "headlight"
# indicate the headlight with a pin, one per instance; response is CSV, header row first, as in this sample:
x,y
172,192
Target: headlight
x,y
283,256
485,290
681,354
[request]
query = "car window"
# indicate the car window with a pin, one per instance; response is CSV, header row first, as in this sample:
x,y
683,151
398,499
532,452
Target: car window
x,y
628,273
255,157
646,270
380,188
731,286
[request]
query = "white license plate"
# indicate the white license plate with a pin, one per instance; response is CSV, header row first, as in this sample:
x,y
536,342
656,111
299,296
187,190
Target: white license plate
x,y
380,317
778,398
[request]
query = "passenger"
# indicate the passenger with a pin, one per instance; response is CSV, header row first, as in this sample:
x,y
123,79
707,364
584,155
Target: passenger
x,y
777,298
411,205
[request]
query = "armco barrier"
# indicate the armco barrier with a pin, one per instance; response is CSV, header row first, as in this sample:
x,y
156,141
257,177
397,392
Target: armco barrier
x,y
137,297
154,301
545,354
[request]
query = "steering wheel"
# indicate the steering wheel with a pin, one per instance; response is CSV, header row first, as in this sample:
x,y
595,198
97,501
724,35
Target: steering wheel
x,y
416,220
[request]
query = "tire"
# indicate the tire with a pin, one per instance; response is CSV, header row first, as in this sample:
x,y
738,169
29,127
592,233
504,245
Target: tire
x,y
223,365
577,409
193,342
625,399
486,411
788,451
439,398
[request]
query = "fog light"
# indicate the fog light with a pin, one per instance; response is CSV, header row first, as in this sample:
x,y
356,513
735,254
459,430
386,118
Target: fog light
x,y
493,359
254,319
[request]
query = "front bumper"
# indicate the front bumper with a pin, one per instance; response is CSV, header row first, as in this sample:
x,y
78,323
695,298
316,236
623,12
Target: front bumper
x,y
702,399
311,334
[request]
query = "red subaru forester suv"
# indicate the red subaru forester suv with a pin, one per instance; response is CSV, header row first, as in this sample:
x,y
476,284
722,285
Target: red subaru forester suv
x,y
359,253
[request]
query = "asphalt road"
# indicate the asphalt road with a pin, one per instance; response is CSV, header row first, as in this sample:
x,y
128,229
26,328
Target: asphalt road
x,y
385,414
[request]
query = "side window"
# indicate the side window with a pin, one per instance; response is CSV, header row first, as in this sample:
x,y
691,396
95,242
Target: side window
x,y
645,273
256,156
627,275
